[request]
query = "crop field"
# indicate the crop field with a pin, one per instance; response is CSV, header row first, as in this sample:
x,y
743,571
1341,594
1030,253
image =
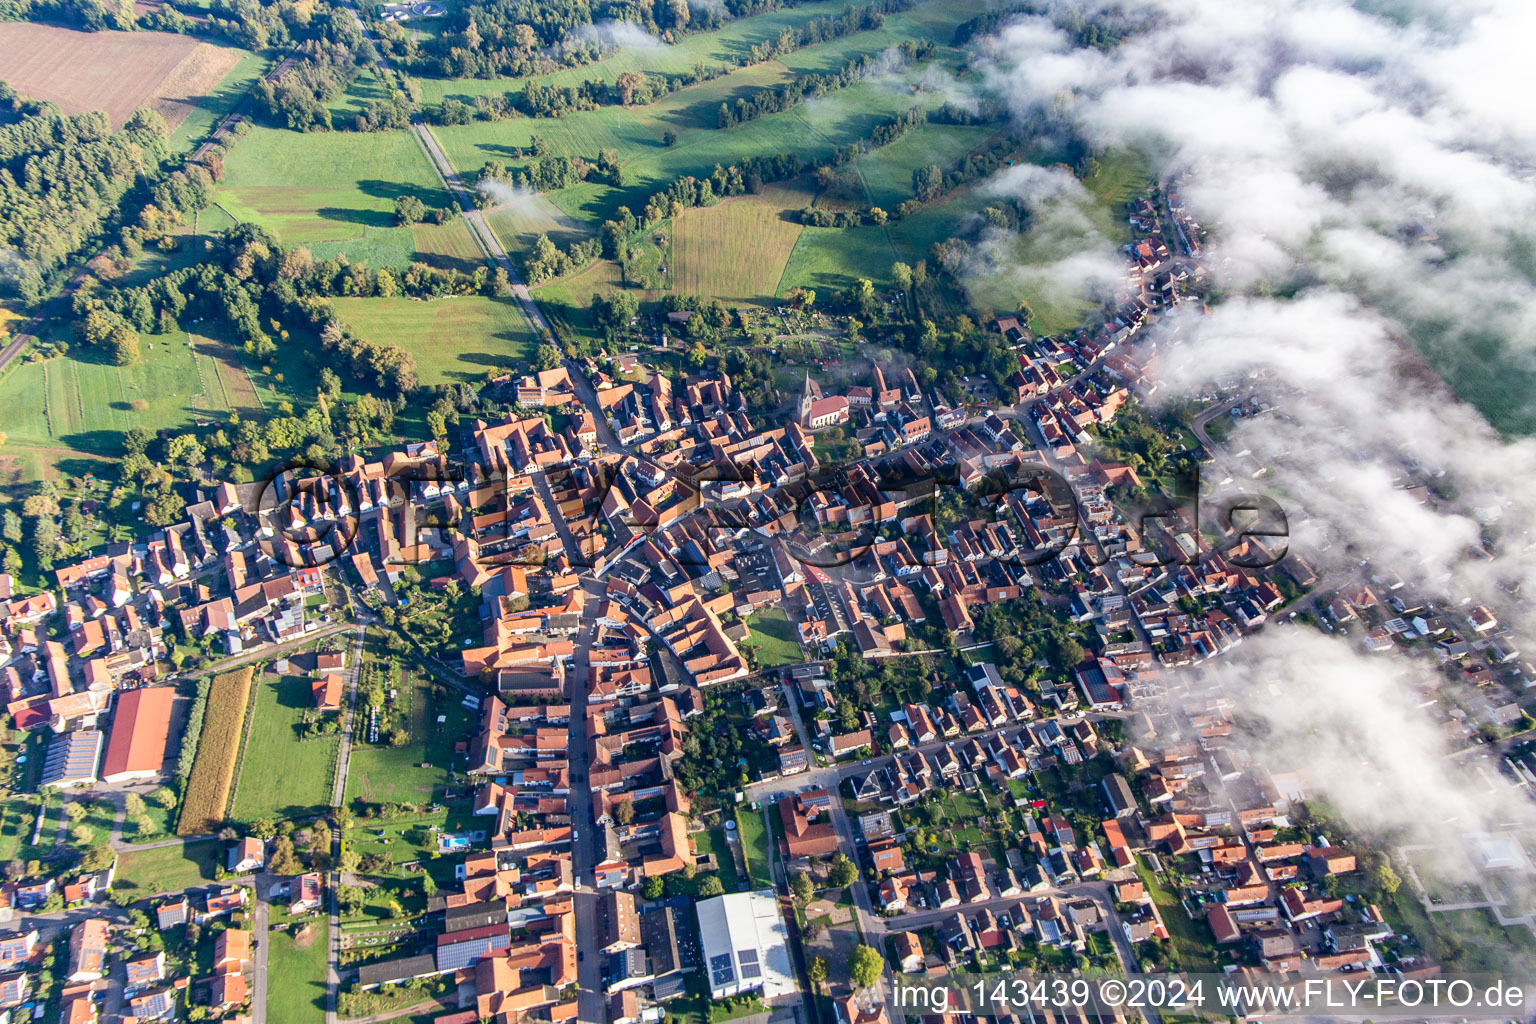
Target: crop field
x,y
115,72
218,748
453,339
283,775
449,244
349,208
737,250
518,224
84,402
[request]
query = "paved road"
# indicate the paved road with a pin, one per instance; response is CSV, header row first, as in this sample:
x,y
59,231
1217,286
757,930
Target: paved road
x,y
484,236
585,850
259,963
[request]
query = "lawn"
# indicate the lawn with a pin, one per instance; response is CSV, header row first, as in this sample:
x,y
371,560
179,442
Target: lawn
x,y
1191,941
301,964
754,845
520,221
347,205
714,841
886,173
379,773
143,873
281,774
453,339
773,636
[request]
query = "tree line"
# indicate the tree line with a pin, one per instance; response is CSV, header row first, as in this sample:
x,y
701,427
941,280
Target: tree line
x,y
636,88
777,98
531,38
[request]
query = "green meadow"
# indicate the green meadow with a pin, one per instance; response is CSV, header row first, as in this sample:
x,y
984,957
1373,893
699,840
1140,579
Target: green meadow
x,y
331,191
453,339
728,44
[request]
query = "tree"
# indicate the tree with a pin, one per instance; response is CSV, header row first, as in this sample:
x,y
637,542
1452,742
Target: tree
x,y
123,345
409,210
1071,652
185,452
802,887
927,181
165,796
133,804
669,138
844,871
284,860
97,858
902,275
864,966
1386,879
818,971
710,885
546,358
624,812
654,887
263,828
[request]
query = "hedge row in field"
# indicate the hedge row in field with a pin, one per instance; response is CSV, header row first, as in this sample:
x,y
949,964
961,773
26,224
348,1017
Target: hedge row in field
x,y
213,770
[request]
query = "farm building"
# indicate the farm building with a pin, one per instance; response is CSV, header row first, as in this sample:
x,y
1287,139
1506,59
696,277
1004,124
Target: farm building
x,y
139,730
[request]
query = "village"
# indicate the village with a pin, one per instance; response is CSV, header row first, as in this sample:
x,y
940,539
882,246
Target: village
x,y
744,724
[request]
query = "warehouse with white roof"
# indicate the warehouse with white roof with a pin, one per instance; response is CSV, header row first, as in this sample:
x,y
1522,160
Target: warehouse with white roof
x,y
743,938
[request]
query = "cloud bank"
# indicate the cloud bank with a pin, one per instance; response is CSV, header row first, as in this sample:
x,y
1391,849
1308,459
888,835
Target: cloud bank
x,y
1367,175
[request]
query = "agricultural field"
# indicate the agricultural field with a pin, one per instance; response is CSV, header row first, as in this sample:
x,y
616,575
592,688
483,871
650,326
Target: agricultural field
x,y
450,245
736,251
333,192
453,339
218,748
298,958
520,222
166,868
282,774
119,72
812,130
83,401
